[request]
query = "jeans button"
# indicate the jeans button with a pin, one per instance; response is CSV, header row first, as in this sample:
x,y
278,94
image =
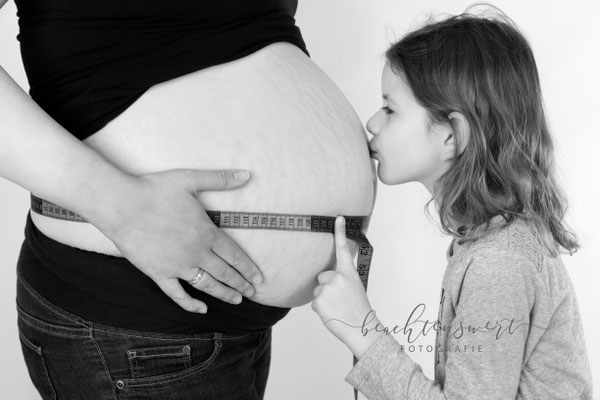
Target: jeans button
x,y
120,384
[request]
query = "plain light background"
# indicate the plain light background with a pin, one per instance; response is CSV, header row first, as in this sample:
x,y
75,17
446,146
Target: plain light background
x,y
347,39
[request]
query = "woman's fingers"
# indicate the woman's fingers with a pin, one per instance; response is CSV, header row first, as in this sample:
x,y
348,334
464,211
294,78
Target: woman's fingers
x,y
209,285
223,272
231,270
172,288
223,245
203,180
209,180
229,251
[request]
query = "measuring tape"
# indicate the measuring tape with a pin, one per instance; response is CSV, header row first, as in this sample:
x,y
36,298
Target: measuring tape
x,y
254,220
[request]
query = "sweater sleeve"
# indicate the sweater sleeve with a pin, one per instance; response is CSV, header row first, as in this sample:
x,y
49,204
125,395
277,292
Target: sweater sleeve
x,y
492,314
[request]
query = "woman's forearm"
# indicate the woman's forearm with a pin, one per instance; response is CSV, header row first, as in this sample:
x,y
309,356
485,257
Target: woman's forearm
x,y
39,155
154,220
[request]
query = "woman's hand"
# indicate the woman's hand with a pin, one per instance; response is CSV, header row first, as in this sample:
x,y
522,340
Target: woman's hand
x,y
163,230
341,300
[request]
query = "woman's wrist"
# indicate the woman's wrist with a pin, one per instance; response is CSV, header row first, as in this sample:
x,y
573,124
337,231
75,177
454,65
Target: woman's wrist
x,y
105,195
42,157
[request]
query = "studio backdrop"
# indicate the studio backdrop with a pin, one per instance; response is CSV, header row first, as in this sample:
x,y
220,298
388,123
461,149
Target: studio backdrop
x,y
347,38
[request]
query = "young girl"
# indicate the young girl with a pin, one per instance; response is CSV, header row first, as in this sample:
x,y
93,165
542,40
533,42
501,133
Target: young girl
x,y
462,114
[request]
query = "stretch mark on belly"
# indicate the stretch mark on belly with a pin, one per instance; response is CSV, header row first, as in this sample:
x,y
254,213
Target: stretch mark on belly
x,y
251,220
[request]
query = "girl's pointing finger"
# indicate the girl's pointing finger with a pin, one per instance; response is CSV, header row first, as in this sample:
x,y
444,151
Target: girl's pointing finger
x,y
342,247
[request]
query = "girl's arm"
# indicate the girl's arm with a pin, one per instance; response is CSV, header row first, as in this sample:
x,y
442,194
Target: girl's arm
x,y
154,219
497,288
483,355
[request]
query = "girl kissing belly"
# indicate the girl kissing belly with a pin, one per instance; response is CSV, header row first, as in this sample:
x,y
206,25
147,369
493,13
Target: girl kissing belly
x,y
274,113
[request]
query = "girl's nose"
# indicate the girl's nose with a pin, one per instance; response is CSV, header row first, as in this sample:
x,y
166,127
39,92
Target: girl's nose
x,y
373,124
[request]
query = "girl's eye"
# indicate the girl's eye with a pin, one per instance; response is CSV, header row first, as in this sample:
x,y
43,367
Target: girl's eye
x,y
386,110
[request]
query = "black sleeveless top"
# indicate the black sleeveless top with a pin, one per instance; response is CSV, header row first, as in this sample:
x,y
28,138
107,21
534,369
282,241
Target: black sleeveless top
x,y
86,62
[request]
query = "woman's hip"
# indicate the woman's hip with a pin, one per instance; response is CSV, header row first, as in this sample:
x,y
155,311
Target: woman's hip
x,y
71,358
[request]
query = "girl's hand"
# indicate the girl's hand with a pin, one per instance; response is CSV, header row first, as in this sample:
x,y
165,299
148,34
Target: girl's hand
x,y
341,300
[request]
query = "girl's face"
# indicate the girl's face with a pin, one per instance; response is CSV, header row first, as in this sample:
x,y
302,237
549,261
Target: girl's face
x,y
407,144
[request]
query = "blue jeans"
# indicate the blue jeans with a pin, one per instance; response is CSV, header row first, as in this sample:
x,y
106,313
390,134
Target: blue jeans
x,y
70,358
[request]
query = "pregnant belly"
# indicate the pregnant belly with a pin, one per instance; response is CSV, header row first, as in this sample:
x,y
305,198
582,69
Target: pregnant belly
x,y
274,113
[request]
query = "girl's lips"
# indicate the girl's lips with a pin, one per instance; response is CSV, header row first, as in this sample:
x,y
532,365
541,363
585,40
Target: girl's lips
x,y
373,154
372,149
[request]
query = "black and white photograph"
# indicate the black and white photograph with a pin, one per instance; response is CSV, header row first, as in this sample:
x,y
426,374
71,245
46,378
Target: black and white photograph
x,y
299,199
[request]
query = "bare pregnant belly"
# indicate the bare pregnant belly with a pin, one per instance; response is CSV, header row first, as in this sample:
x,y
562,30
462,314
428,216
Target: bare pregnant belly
x,y
274,113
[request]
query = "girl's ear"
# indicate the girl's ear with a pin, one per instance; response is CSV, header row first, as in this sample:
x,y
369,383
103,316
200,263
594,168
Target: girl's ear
x,y
457,136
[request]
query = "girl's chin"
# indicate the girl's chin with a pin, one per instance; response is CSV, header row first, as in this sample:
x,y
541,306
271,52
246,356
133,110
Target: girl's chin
x,y
384,178
387,179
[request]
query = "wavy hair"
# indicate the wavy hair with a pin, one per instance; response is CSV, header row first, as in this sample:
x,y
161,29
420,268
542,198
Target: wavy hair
x,y
482,67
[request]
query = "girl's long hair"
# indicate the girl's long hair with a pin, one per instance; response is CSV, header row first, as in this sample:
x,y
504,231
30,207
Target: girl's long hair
x,y
482,67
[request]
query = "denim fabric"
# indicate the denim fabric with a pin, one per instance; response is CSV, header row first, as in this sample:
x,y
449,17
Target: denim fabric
x,y
71,358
